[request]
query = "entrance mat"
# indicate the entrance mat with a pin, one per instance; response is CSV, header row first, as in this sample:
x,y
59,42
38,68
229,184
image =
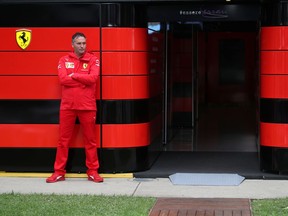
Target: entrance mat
x,y
206,179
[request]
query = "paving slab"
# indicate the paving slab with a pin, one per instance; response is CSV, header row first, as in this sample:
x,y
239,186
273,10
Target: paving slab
x,y
119,186
159,187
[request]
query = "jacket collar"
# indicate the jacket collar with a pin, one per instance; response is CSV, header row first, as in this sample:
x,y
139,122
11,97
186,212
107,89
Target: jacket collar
x,y
85,57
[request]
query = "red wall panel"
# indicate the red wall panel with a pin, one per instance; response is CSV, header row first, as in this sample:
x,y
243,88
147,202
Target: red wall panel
x,y
29,87
126,135
50,38
274,86
32,87
38,136
274,135
114,39
272,38
125,63
29,63
275,63
125,87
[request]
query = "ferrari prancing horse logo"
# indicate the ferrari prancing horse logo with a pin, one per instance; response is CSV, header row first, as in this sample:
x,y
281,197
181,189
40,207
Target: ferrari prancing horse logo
x,y
23,38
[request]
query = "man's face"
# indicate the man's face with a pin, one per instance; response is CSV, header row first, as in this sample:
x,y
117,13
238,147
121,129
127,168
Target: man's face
x,y
79,46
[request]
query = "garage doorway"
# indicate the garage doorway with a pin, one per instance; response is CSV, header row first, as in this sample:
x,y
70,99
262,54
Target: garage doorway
x,y
211,87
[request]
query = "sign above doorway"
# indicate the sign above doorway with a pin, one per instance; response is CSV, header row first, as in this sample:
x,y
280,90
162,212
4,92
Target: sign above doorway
x,y
191,12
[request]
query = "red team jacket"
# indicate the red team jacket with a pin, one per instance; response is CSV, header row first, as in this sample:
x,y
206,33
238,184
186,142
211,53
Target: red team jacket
x,y
78,92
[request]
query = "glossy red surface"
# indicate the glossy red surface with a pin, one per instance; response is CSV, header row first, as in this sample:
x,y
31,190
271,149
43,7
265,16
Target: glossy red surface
x,y
128,39
38,136
29,87
273,86
126,135
125,87
125,63
32,87
30,63
49,39
274,62
274,38
274,135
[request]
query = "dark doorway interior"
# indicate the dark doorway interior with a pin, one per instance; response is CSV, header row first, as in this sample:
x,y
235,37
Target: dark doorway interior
x,y
212,87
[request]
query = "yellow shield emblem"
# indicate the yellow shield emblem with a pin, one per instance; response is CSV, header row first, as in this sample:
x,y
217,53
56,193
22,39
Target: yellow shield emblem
x,y
23,38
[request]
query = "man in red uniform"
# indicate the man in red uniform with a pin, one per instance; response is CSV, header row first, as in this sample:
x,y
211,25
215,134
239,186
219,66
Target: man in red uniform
x,y
78,72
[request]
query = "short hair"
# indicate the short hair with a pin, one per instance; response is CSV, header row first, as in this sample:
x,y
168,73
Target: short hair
x,y
76,35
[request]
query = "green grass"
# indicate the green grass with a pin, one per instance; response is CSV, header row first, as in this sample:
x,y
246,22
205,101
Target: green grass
x,y
40,204
45,205
270,207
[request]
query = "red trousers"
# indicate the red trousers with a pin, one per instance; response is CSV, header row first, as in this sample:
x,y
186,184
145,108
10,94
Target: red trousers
x,y
67,122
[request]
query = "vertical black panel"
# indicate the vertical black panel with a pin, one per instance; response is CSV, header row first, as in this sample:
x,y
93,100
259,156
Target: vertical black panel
x,y
274,110
123,15
275,13
274,159
124,160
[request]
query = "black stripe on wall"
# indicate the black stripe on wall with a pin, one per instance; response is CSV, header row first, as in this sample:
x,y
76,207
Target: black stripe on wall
x,y
125,111
29,111
49,15
72,15
273,159
123,15
42,160
274,110
47,111
274,14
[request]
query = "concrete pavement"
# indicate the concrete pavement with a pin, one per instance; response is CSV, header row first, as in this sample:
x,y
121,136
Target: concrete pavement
x,y
158,187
